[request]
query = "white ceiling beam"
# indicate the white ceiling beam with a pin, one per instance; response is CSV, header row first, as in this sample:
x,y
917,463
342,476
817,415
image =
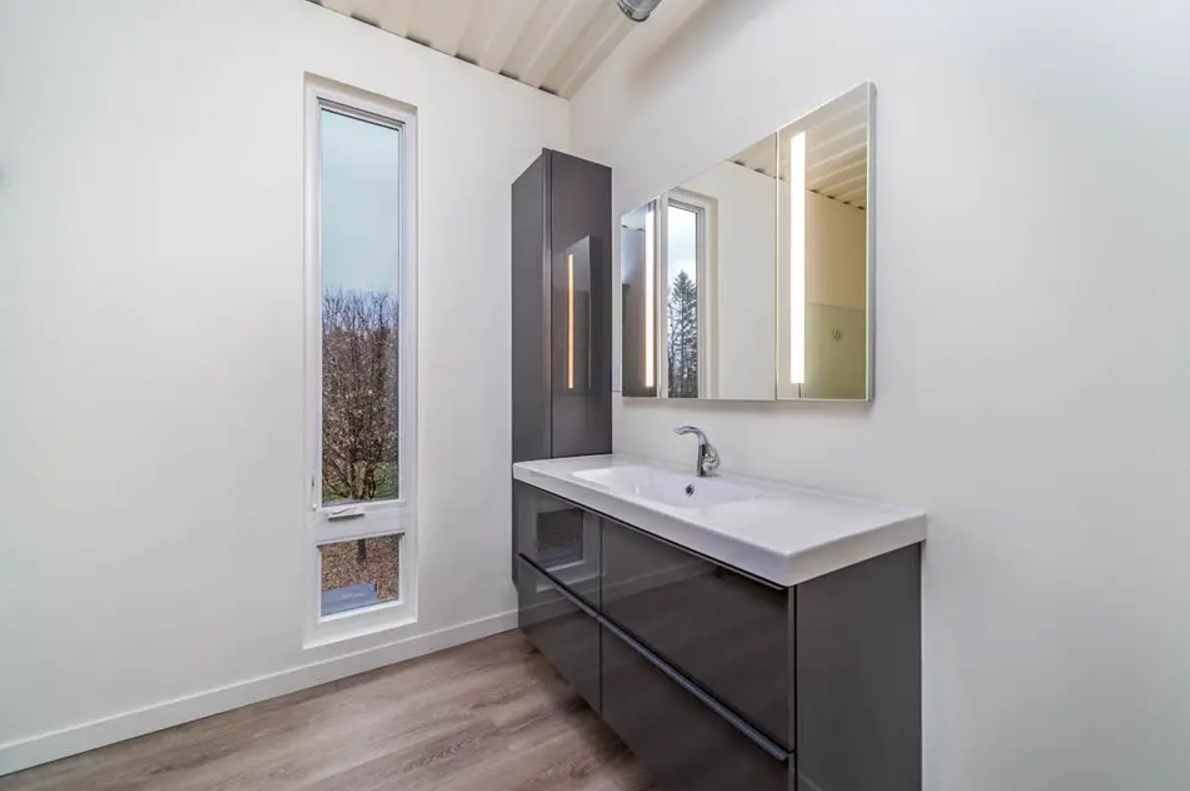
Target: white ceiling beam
x,y
594,45
535,36
442,23
393,16
514,16
480,29
347,7
560,38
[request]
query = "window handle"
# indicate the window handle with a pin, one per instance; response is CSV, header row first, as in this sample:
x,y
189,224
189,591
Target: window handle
x,y
347,512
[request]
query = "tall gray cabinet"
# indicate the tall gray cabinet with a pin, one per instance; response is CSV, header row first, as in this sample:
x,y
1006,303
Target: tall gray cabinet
x,y
561,309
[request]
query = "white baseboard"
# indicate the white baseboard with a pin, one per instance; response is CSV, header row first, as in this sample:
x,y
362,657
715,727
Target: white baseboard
x,y
47,747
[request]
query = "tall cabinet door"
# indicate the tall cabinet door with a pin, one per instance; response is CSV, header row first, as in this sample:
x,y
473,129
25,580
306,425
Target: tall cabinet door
x,y
531,422
580,306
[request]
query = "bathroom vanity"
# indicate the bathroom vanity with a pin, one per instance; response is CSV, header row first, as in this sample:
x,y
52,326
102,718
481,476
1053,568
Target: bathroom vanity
x,y
736,634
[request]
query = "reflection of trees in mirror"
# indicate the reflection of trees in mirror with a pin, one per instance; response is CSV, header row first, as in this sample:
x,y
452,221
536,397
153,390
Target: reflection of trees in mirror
x,y
682,313
359,396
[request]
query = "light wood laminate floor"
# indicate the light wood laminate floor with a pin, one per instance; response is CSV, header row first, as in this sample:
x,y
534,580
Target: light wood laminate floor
x,y
487,716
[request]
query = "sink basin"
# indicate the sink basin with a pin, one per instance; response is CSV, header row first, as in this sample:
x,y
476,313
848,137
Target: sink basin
x,y
777,532
666,487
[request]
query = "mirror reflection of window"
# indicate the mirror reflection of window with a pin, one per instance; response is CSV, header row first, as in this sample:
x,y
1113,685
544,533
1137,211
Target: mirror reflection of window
x,y
750,280
682,300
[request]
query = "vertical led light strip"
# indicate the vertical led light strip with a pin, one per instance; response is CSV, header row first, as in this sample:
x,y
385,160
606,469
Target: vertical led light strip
x,y
650,299
797,258
570,323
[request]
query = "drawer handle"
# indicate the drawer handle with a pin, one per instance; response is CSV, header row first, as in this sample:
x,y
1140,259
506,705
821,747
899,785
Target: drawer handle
x,y
562,589
743,726
762,741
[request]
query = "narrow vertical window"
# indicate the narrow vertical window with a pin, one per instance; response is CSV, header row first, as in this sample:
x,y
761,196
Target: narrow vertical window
x,y
361,309
361,266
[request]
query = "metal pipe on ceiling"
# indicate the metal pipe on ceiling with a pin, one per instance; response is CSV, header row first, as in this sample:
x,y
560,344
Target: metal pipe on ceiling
x,y
637,10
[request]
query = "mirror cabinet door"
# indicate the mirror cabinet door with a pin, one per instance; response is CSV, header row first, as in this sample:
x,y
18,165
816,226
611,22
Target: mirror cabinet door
x,y
752,280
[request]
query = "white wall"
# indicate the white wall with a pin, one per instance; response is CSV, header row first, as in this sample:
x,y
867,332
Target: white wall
x,y
745,250
1032,374
152,497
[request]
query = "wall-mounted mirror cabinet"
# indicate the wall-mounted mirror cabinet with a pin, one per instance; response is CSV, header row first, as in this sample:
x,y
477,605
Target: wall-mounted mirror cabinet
x,y
752,281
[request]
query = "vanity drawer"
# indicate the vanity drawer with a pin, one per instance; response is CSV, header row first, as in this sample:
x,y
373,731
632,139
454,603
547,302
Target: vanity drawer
x,y
559,537
728,632
559,628
686,744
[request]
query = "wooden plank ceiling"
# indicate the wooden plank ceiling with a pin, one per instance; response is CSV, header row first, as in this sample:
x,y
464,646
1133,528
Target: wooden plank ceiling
x,y
554,45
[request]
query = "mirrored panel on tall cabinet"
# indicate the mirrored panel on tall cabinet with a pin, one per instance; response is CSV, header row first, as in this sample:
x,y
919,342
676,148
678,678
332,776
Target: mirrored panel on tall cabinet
x,y
752,281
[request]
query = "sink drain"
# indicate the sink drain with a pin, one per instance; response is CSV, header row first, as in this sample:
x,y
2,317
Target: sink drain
x,y
689,489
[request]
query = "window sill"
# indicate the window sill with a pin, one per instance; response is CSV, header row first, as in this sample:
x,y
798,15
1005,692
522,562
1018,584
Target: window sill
x,y
354,624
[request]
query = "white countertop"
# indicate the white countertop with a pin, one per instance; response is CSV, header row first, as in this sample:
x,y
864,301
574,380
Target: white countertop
x,y
781,533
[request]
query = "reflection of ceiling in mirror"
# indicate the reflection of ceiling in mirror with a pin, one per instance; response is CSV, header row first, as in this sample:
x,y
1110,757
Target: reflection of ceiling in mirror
x,y
760,156
836,150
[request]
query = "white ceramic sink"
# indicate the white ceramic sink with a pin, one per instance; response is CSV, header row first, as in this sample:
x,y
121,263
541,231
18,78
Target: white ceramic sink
x,y
667,487
781,533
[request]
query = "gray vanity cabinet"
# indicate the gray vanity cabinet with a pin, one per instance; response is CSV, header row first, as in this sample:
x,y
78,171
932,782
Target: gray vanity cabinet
x,y
717,680
561,630
559,537
685,743
726,631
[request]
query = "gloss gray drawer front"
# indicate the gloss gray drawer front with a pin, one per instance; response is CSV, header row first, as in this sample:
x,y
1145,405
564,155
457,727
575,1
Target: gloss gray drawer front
x,y
559,628
560,537
727,632
687,745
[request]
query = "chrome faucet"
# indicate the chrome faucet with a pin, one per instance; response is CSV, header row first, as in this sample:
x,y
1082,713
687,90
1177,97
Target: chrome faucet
x,y
708,457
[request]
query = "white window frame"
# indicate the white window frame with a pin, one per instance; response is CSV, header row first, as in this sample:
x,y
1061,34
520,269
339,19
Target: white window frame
x,y
382,518
705,210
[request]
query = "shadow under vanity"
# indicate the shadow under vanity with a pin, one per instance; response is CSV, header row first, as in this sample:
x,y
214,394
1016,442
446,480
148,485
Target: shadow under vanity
x,y
769,639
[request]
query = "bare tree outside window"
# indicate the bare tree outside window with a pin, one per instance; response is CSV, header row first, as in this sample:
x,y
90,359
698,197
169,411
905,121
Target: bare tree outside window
x,y
359,396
